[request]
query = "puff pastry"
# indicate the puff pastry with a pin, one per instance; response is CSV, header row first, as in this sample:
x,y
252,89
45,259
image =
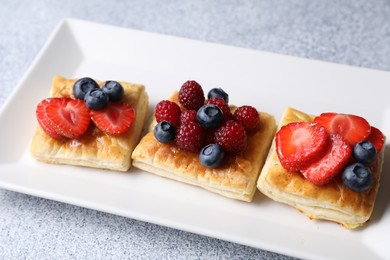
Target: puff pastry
x,y
236,178
95,148
334,201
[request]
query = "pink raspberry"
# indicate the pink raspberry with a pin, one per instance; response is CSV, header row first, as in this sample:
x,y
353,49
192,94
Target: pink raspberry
x,y
190,136
191,95
247,116
168,111
231,136
219,102
187,116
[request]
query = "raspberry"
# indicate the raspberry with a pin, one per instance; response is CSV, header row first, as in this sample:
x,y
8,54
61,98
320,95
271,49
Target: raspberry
x,y
247,116
191,95
187,116
190,136
168,111
219,102
209,136
231,136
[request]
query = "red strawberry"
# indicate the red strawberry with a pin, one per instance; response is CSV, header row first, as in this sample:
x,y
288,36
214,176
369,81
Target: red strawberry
x,y
68,117
299,144
353,128
116,118
44,121
377,138
333,161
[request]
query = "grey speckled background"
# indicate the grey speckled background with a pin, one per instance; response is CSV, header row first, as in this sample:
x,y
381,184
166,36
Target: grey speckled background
x,y
348,32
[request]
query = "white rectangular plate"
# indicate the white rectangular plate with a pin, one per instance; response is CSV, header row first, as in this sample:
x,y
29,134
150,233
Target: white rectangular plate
x,y
270,82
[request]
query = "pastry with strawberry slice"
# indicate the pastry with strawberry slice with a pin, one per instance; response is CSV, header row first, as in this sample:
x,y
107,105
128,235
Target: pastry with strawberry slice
x,y
204,143
89,123
326,166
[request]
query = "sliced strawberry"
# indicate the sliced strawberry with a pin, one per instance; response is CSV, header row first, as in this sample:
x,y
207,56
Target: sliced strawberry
x,y
353,128
300,144
332,162
377,138
68,117
44,121
115,118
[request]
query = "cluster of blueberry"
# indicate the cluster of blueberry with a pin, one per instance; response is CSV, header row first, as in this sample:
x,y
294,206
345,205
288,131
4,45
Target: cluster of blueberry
x,y
95,97
357,176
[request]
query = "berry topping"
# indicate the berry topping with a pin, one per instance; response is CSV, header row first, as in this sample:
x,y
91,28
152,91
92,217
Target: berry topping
x,y
190,137
353,128
83,86
114,90
300,144
44,121
247,116
333,161
96,99
115,118
357,177
218,93
364,152
231,136
211,155
165,132
219,102
209,116
187,116
377,138
191,95
168,111
69,117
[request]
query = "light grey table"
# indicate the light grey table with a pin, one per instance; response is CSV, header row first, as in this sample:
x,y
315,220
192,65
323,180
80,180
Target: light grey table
x,y
355,32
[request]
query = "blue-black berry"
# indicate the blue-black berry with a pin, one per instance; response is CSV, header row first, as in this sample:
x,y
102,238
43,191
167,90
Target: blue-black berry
x,y
96,99
114,90
82,86
357,177
364,152
165,132
209,116
211,155
218,92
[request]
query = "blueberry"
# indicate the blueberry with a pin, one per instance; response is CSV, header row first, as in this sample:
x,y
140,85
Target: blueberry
x,y
83,86
357,177
114,90
218,92
165,132
364,152
211,155
209,116
96,99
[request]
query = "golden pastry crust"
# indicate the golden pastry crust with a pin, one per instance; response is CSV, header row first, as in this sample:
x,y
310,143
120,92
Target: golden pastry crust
x,y
95,148
236,178
334,201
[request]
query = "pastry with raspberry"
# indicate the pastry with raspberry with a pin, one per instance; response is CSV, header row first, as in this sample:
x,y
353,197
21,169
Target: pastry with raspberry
x,y
210,149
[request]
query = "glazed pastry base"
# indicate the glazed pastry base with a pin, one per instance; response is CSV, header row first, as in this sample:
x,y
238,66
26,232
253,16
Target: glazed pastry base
x,y
95,149
236,178
333,202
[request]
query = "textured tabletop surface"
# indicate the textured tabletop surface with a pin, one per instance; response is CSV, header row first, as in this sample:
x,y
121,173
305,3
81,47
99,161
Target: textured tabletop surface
x,y
347,32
